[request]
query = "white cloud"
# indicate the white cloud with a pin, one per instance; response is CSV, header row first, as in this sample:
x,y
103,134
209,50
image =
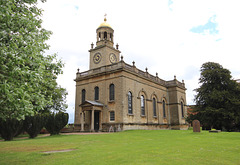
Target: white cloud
x,y
151,33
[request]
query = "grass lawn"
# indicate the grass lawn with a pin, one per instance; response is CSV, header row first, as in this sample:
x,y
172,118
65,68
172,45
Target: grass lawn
x,y
128,147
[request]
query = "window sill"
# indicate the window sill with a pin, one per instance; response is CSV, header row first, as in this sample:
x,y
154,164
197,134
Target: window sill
x,y
111,101
130,114
143,115
155,117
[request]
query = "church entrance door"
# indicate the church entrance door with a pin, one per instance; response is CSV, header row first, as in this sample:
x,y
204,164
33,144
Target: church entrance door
x,y
96,120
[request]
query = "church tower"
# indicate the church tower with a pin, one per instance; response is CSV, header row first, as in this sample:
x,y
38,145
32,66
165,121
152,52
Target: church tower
x,y
104,53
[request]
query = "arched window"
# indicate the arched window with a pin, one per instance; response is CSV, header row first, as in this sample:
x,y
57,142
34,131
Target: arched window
x,y
105,35
96,93
111,37
164,109
111,92
142,106
154,107
99,36
182,109
83,95
130,108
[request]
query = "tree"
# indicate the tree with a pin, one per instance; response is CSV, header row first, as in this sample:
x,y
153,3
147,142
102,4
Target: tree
x,y
55,122
34,124
218,98
27,76
9,128
58,100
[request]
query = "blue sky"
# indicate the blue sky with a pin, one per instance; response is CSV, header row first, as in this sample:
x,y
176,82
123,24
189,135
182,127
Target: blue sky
x,y
209,28
171,37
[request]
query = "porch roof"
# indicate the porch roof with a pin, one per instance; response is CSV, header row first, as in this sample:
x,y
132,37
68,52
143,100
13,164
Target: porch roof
x,y
93,103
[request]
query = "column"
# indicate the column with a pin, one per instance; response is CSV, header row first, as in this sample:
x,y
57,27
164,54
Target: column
x,y
92,122
100,121
82,121
108,36
102,36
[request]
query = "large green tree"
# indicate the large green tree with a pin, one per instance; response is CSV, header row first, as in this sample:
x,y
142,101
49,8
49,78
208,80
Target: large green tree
x,y
27,76
59,95
218,98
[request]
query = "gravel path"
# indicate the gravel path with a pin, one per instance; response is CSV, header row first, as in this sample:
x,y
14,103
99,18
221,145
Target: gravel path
x,y
73,133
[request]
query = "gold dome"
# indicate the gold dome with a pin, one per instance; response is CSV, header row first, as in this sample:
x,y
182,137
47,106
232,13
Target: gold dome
x,y
104,24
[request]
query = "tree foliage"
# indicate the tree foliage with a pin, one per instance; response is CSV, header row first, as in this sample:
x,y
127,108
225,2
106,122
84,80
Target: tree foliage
x,y
9,128
34,124
55,122
27,77
218,98
58,100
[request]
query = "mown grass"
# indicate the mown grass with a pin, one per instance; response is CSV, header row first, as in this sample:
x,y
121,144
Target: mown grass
x,y
128,147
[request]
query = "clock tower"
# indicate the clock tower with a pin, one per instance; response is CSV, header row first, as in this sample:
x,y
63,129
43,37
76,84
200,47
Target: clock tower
x,y
104,53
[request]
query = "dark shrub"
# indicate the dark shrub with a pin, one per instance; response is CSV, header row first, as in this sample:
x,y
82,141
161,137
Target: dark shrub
x,y
9,128
20,131
56,122
34,124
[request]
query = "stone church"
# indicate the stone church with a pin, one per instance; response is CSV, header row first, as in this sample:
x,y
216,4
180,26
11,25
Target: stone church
x,y
113,95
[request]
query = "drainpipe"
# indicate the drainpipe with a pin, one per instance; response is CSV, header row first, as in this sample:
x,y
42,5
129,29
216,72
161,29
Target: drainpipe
x,y
158,116
146,106
169,118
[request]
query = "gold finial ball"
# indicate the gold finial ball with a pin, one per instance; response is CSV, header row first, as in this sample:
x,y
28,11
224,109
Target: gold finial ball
x,y
105,24
105,17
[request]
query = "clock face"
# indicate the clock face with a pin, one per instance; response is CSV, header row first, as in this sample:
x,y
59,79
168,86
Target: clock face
x,y
112,58
97,58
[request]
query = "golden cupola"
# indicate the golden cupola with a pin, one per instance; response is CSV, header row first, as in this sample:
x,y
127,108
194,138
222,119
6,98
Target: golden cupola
x,y
105,34
104,24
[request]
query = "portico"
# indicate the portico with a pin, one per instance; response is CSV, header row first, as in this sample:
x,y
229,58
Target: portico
x,y
95,111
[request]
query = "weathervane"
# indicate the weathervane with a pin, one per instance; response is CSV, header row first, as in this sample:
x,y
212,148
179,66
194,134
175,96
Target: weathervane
x,y
105,17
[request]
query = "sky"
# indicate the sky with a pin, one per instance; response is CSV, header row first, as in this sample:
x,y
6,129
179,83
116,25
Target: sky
x,y
170,37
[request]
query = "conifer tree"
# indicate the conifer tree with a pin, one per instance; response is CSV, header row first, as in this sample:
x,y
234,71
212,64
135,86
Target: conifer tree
x,y
218,98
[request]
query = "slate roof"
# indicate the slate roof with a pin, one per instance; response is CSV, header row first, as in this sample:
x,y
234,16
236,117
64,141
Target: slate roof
x,y
94,103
